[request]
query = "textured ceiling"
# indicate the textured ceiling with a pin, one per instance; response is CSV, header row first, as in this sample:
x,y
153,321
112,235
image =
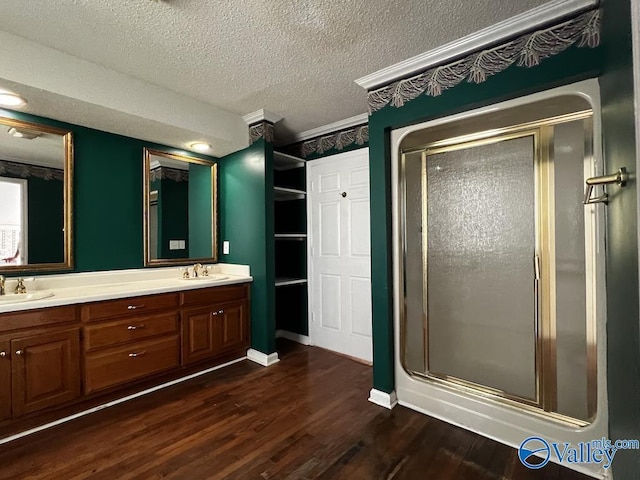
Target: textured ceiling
x,y
297,58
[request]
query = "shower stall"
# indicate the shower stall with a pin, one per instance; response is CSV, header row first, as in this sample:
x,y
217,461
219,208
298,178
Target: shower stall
x,y
499,268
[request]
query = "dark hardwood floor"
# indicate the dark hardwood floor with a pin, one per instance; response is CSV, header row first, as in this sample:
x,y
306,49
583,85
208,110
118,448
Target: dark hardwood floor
x,y
306,417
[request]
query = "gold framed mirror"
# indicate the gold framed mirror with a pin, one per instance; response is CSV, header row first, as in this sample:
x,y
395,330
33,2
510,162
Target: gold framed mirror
x,y
180,209
36,197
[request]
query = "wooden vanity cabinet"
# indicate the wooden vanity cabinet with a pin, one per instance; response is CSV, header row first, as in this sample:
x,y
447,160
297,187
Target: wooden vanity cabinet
x,y
214,321
211,331
39,367
59,356
129,339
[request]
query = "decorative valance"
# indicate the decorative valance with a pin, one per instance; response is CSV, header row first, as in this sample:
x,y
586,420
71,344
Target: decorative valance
x,y
260,130
526,51
24,170
358,135
175,174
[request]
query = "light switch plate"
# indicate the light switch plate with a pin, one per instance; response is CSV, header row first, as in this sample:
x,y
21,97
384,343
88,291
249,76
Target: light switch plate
x,y
177,245
225,247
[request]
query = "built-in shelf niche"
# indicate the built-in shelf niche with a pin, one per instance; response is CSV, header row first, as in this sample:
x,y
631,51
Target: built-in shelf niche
x,y
284,281
283,194
282,162
290,211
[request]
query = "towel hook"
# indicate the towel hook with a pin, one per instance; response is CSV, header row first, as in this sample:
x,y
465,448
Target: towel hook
x,y
619,178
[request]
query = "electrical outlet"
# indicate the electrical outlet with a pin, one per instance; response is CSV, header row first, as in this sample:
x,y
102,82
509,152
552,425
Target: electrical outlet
x,y
225,247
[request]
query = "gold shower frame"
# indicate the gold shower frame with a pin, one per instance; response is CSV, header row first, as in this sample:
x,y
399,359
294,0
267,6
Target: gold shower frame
x,y
545,401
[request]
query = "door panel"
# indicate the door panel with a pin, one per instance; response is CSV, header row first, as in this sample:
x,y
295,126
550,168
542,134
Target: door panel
x,y
339,269
360,243
5,380
45,370
234,329
480,270
360,308
330,301
330,229
201,334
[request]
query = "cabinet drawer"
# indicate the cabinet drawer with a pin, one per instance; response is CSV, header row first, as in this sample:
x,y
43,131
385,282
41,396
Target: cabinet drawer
x,y
207,296
111,334
129,306
38,318
123,364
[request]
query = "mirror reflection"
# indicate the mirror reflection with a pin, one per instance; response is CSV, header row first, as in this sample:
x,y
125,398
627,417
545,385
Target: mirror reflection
x,y
35,168
180,209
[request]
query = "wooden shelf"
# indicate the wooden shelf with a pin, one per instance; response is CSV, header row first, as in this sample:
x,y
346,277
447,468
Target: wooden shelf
x,y
283,281
291,236
283,194
282,161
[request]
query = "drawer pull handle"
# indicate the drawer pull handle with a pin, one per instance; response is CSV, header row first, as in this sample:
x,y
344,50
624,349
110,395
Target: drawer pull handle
x,y
220,312
19,352
137,354
134,307
3,354
136,327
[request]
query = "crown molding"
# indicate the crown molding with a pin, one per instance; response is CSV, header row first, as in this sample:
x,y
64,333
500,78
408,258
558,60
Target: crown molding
x,y
261,115
331,128
543,15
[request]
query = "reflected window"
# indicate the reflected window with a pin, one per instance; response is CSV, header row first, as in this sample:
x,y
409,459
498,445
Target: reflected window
x,y
13,224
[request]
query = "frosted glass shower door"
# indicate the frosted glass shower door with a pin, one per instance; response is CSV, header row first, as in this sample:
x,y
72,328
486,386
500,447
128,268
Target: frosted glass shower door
x,y
500,260
480,246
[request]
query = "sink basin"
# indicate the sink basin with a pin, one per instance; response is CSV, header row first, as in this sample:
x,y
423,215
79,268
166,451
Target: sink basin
x,y
26,297
211,277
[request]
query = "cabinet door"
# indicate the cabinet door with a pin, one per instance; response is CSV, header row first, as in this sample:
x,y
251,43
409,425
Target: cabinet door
x,y
45,370
201,334
209,331
5,380
234,325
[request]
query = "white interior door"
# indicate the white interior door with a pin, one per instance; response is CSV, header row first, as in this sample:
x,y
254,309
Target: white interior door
x,y
339,254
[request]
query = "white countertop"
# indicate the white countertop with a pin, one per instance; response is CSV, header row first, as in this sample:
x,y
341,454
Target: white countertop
x,y
74,288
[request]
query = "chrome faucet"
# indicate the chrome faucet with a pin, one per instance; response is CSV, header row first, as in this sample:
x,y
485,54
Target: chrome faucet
x,y
2,279
20,288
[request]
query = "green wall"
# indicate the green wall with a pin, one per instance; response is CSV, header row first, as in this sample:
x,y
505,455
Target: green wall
x,y
571,65
107,210
623,332
246,204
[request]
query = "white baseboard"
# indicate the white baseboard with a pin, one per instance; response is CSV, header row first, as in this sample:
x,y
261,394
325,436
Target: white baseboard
x,y
262,358
384,399
115,402
294,337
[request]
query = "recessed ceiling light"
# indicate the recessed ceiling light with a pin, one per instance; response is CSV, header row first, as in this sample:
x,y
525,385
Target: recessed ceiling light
x,y
10,99
200,146
24,133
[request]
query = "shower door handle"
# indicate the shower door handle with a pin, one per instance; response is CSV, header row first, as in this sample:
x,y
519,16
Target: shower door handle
x,y
619,178
536,291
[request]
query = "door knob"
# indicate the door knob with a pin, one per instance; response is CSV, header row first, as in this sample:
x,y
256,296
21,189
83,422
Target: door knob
x,y
344,194
19,352
3,354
